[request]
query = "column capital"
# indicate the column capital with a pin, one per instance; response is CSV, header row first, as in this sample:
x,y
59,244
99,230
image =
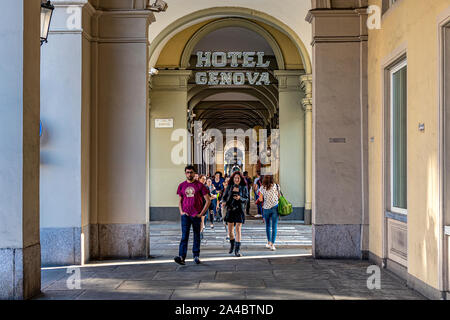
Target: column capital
x,y
307,104
306,84
288,80
171,80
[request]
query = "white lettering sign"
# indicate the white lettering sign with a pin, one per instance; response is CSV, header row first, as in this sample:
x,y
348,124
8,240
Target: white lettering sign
x,y
233,60
163,123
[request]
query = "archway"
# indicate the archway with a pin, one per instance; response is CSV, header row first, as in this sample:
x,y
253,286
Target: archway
x,y
274,106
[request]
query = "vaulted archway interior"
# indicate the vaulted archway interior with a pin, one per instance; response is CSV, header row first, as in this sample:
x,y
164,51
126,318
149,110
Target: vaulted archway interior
x,y
265,95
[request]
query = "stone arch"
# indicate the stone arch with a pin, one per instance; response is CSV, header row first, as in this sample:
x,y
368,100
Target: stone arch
x,y
231,22
189,20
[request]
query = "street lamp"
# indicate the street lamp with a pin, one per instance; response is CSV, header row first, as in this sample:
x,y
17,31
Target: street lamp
x,y
46,17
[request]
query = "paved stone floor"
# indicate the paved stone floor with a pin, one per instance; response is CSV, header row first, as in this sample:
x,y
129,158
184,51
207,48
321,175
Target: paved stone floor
x,y
165,238
288,273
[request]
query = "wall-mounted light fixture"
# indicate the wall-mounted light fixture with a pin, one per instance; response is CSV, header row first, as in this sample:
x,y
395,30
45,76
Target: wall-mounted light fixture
x,y
153,71
157,6
46,18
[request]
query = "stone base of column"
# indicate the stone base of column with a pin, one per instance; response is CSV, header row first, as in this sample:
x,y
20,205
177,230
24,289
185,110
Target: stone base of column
x,y
61,246
308,215
298,213
337,241
119,241
165,214
20,273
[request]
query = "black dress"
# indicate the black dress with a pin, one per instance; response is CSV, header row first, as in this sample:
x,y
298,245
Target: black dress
x,y
235,208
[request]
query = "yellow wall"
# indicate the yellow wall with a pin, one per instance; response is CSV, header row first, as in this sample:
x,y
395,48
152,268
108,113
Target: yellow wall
x,y
413,24
168,101
171,54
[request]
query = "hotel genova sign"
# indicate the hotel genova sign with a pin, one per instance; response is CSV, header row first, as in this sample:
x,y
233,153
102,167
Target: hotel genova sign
x,y
246,60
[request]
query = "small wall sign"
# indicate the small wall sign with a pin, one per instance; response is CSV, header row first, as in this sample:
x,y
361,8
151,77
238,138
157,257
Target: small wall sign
x,y
337,140
163,123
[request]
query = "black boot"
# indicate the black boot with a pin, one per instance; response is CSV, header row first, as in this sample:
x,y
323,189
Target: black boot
x,y
238,248
231,246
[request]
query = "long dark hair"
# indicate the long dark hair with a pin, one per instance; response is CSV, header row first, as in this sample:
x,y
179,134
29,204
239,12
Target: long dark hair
x,y
267,182
237,173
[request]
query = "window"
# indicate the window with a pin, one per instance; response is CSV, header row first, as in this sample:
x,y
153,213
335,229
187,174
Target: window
x,y
398,135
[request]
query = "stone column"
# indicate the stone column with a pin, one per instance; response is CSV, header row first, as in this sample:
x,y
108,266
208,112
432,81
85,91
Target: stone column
x,y
307,107
20,262
169,101
292,130
119,214
65,114
339,129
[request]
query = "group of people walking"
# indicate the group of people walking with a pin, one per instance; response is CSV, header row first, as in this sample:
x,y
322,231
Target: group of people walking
x,y
225,199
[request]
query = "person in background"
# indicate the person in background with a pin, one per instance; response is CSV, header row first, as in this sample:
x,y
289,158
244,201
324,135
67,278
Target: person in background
x,y
213,206
222,207
202,180
218,184
248,180
196,176
235,199
256,187
194,201
270,193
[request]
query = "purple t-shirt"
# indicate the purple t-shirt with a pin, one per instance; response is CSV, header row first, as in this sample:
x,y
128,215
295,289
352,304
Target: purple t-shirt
x,y
192,197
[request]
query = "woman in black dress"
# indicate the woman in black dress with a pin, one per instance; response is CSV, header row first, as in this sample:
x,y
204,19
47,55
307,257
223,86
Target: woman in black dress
x,y
235,199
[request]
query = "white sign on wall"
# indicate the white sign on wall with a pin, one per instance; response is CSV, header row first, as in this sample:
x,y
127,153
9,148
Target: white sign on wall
x,y
163,123
232,59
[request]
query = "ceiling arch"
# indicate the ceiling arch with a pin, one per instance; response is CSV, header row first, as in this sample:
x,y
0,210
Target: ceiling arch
x,y
206,15
198,94
230,22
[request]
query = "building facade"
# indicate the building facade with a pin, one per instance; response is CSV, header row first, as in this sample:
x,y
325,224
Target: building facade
x,y
352,95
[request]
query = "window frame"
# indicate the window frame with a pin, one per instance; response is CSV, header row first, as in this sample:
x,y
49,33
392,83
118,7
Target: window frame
x,y
397,67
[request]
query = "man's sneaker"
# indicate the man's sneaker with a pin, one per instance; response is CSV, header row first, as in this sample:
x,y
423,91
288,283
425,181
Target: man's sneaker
x,y
179,260
273,248
197,260
268,246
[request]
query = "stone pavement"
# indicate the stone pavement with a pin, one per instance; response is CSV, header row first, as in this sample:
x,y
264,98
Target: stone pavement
x,y
288,273
165,238
290,277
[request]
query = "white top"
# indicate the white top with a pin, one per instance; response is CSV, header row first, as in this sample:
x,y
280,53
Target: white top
x,y
270,196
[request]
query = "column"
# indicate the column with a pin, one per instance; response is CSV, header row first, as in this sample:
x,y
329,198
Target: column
x,y
306,81
169,101
20,262
119,216
292,130
65,114
339,130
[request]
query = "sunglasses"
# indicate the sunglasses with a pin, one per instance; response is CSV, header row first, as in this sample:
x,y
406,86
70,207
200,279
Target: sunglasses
x,y
189,172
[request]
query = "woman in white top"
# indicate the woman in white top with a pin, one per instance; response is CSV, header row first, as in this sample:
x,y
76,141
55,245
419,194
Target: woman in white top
x,y
270,193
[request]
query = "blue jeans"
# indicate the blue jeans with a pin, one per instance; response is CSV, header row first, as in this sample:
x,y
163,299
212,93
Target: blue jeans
x,y
260,209
186,223
271,218
212,211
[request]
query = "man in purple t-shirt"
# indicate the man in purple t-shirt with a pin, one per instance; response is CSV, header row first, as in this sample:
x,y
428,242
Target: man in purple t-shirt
x,y
194,201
